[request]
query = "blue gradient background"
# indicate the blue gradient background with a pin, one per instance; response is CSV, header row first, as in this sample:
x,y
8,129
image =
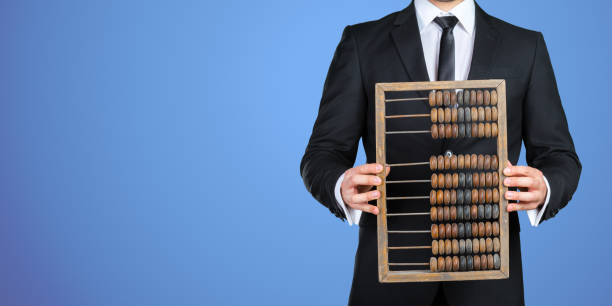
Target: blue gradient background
x,y
150,150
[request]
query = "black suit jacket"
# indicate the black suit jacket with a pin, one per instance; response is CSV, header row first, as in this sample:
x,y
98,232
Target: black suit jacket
x,y
390,50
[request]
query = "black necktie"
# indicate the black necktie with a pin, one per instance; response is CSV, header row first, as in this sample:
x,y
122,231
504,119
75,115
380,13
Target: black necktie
x,y
446,62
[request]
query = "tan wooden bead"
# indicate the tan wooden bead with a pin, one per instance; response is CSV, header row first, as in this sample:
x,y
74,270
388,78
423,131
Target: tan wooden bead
x,y
460,161
447,115
440,197
481,229
483,262
474,196
441,264
495,179
441,231
446,196
487,97
433,163
475,179
434,181
434,131
475,245
488,229
476,262
455,130
481,196
453,197
487,130
490,263
494,130
479,97
455,180
474,162
441,131
448,246
434,115
434,247
446,210
489,244
433,264
454,230
495,228
453,114
446,98
475,224
440,214
455,263
440,114
453,161
432,197
472,97
495,196
453,97
432,98
489,195
439,101
489,179
448,132
474,112
482,179
448,180
493,114
453,213
481,113
487,113
433,213
493,97
487,162
482,245
448,263
468,161
448,229
447,162
441,180
434,231
480,162
494,162
481,130
496,244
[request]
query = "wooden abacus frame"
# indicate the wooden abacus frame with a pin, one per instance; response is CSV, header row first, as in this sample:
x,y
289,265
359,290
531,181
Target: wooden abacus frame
x,y
385,274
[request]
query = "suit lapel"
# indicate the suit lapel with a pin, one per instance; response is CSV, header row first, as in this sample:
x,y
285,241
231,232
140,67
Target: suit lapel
x,y
485,47
407,40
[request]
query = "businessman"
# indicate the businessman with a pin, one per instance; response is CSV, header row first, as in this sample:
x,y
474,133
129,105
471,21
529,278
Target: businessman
x,y
427,41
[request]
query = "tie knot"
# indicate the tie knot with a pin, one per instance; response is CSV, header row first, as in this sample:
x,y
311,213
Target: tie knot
x,y
447,23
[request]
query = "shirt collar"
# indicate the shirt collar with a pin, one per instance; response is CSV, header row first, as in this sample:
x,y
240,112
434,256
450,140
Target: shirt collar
x,y
464,11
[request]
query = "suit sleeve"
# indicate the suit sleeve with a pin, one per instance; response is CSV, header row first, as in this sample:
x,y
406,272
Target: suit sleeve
x,y
548,143
333,145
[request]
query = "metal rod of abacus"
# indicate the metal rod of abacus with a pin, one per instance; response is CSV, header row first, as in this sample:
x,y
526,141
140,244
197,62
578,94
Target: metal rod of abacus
x,y
409,214
407,198
412,247
406,99
409,264
410,232
408,164
408,116
408,181
408,132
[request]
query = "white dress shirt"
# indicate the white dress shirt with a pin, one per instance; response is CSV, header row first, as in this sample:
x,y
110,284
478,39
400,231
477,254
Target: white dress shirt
x,y
464,33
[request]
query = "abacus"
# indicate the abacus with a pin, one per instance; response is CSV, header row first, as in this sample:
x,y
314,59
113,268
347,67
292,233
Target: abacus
x,y
466,207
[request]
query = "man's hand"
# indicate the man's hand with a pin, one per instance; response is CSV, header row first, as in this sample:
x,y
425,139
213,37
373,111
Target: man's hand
x,y
356,188
531,183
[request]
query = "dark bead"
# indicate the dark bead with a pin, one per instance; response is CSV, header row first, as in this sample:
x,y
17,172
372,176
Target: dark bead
x,y
459,213
468,229
467,197
461,246
459,98
468,130
468,246
461,129
495,211
462,263
481,213
468,181
469,263
460,114
461,229
487,211
461,180
466,212
460,193
496,261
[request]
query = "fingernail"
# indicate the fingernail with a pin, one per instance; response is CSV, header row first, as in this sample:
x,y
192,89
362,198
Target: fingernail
x,y
377,180
375,211
506,171
509,194
378,167
376,194
507,182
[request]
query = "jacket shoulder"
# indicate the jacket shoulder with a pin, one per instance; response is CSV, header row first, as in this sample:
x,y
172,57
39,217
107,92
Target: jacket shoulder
x,y
373,27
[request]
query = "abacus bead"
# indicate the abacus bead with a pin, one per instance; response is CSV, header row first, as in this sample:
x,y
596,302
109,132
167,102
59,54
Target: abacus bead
x,y
453,197
455,180
474,112
474,196
433,264
474,229
482,179
439,101
433,213
440,214
475,245
494,162
434,131
447,115
441,131
454,230
495,228
453,97
480,161
469,180
479,97
468,160
481,130
448,263
448,230
496,261
489,244
441,264
453,162
466,97
469,263
446,196
460,161
481,229
441,115
448,180
494,130
440,162
434,231
434,115
461,130
495,211
440,197
481,114
496,244
488,229
468,130
434,247
495,180
475,179
474,161
476,263
487,97
446,98
455,130
448,131
459,212
448,247
446,210
460,196
483,245
467,197
460,114
488,211
461,246
460,97
462,263
493,97
432,197
487,130
441,180
468,246
481,211
432,98
446,162
460,228
489,195
453,115
487,113
468,114
493,114
473,97
495,196
488,178
481,196
455,263
461,180
441,232
455,246
453,213
466,216
433,163
483,262
434,180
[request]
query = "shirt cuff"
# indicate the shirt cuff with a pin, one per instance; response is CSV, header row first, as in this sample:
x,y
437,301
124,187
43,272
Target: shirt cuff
x,y
352,215
535,215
